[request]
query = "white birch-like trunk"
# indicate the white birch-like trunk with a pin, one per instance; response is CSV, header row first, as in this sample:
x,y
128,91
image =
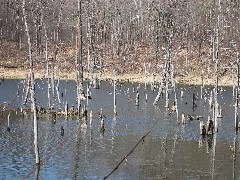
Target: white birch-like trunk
x,y
216,59
80,92
114,94
167,97
145,76
53,78
58,82
27,91
237,95
32,89
8,126
46,58
202,78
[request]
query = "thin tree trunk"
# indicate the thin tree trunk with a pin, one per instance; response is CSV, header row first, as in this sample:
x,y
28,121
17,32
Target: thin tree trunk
x,y
80,91
46,57
237,95
114,94
32,89
216,59
27,91
80,45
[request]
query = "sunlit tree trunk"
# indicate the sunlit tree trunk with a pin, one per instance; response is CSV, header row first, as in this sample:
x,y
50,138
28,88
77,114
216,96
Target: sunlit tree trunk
x,y
237,95
80,56
216,60
114,94
32,86
46,58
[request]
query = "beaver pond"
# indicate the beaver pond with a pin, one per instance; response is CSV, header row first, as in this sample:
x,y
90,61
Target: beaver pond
x,y
145,141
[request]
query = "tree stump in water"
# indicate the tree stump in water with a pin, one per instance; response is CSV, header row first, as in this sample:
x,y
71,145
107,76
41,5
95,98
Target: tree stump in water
x,y
66,109
183,118
54,117
181,94
95,83
129,98
194,101
167,103
71,111
84,124
210,126
177,116
62,131
219,112
91,119
202,128
8,128
101,116
102,128
137,99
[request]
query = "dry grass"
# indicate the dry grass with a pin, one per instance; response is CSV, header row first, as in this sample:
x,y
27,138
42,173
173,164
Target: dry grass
x,y
14,64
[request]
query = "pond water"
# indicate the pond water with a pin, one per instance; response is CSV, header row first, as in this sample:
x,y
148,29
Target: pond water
x,y
169,151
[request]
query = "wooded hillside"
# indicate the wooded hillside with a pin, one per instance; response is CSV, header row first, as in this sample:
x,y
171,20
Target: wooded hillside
x,y
123,35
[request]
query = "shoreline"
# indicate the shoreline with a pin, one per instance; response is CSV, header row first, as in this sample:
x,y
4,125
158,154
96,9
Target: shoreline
x,y
13,73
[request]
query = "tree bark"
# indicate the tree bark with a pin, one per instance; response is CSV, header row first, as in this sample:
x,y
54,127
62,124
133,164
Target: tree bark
x,y
32,88
80,91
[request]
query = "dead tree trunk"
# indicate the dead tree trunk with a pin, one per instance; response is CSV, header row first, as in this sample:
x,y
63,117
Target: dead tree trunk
x,y
27,91
114,94
237,96
46,58
216,59
202,67
80,91
168,31
32,88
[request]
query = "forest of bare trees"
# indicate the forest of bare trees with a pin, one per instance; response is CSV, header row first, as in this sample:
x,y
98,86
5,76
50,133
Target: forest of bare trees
x,y
122,35
161,40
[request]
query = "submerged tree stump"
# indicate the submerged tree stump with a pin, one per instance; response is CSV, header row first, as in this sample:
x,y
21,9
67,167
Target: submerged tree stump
x,y
167,103
62,131
177,116
137,99
102,126
8,127
66,109
219,112
71,111
91,119
181,94
210,126
84,124
54,117
183,118
129,98
174,107
202,128
95,83
194,101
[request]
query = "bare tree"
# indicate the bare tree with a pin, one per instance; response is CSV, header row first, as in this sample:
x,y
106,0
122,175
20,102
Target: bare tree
x,y
32,85
80,91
